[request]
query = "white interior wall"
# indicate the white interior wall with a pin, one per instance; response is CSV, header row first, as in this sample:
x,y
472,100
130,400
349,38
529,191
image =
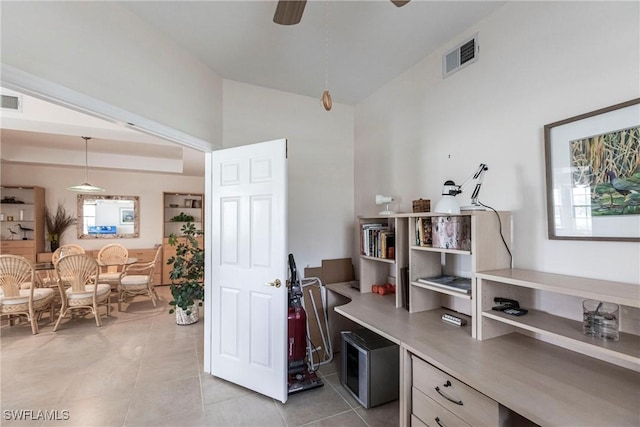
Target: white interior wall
x,y
102,50
320,163
539,62
147,186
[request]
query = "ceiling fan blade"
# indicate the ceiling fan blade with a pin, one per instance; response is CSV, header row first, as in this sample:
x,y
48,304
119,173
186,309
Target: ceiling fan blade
x,y
289,12
400,3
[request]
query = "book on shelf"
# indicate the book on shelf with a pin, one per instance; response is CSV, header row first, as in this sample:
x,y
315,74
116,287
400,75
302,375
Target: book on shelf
x,y
378,240
404,284
423,231
453,283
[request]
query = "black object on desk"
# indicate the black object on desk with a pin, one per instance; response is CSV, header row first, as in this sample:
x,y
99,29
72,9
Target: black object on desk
x,y
509,306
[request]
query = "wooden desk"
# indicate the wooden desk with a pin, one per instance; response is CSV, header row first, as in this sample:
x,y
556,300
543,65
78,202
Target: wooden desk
x,y
547,384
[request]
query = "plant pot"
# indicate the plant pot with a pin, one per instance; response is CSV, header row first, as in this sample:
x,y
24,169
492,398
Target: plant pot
x,y
182,318
55,244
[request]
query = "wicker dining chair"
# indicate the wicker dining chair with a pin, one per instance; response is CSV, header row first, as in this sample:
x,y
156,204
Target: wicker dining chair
x,y
62,251
84,291
112,259
137,279
14,301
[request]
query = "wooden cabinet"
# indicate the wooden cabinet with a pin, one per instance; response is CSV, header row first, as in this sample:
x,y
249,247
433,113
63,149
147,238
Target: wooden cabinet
x,y
383,252
561,322
436,394
425,409
487,246
25,248
22,207
177,208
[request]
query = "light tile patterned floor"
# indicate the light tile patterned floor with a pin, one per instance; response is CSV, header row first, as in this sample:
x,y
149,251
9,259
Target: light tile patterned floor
x,y
141,369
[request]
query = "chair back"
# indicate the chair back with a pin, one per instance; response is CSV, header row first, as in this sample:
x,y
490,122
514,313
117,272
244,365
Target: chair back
x,y
78,270
158,252
14,271
114,256
64,250
155,262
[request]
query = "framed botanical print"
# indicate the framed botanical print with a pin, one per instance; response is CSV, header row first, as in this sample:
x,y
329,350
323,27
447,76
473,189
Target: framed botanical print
x,y
593,175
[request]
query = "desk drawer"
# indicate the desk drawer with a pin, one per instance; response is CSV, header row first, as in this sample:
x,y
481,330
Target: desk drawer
x,y
416,422
472,406
430,413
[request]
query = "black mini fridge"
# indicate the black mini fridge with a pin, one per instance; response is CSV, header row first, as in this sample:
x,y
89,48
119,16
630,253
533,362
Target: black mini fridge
x,y
370,367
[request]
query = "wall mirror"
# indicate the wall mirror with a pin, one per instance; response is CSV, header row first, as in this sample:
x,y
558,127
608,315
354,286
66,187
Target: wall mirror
x,y
108,217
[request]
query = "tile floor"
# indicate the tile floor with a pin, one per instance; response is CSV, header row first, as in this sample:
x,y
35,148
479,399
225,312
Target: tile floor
x,y
141,369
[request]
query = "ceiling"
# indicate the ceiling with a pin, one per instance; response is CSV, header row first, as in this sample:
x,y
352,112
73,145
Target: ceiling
x,y
370,42
353,47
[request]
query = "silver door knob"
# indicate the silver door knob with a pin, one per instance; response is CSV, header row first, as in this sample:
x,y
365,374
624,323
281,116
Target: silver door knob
x,y
275,283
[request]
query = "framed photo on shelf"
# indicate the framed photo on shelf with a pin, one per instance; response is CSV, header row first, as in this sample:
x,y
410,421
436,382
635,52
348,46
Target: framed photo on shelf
x,y
592,164
127,216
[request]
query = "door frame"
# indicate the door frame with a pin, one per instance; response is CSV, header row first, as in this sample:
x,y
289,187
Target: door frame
x,y
46,90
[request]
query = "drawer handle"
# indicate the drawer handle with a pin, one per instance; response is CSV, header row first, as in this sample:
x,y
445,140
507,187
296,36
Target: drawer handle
x,y
457,402
437,419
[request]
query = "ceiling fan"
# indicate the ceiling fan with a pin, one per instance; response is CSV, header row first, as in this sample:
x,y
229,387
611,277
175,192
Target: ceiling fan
x,y
289,12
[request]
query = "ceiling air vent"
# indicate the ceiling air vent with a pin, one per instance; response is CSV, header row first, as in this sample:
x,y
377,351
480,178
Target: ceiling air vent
x,y
459,57
10,102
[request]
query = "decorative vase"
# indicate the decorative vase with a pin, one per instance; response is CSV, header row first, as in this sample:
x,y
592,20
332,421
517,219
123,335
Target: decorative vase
x,y
182,318
55,244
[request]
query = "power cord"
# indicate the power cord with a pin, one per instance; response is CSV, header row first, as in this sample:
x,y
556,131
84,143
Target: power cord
x,y
501,235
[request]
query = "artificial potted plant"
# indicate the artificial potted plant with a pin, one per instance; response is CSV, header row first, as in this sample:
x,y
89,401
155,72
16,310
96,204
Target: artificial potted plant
x,y
186,275
57,223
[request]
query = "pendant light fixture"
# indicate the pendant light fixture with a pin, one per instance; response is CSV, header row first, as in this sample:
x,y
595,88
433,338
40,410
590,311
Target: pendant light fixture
x,y
326,96
86,187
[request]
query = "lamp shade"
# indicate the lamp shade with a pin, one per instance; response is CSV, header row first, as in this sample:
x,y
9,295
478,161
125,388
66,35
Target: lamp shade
x,y
86,187
448,204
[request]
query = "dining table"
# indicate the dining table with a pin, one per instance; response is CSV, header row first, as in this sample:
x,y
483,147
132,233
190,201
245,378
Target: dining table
x,y
110,263
118,264
48,268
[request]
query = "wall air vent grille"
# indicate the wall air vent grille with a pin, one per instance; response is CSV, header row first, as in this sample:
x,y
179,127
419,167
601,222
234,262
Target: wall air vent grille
x,y
10,102
459,57
467,51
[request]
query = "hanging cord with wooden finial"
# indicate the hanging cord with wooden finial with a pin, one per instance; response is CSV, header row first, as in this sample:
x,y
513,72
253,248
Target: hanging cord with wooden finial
x,y
327,103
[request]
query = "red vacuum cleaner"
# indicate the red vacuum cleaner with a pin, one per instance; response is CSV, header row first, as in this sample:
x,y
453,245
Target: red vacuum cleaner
x,y
301,378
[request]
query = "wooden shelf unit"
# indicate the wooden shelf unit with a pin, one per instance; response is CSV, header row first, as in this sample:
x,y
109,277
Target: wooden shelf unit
x,y
32,212
487,252
376,270
174,204
528,286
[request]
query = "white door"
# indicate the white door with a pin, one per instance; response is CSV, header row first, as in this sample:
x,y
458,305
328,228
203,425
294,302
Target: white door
x,y
249,257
